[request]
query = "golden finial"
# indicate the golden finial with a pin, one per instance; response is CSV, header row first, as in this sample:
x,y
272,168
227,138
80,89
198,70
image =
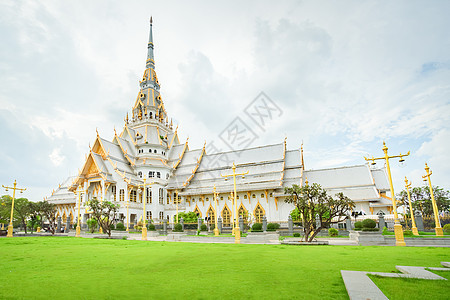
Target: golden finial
x,y
306,180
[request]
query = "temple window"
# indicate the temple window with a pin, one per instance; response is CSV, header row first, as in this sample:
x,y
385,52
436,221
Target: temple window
x,y
167,176
262,195
150,150
259,213
245,196
151,174
113,191
271,195
154,151
149,215
158,174
226,217
149,195
121,195
253,196
161,215
140,174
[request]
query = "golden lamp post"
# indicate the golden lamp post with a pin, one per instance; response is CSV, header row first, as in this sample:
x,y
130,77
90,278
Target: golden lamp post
x,y
144,213
414,228
237,231
438,229
78,230
216,230
399,239
14,188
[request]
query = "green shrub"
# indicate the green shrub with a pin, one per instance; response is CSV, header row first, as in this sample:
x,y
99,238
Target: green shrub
x,y
120,226
333,232
203,227
386,231
212,226
369,223
370,229
296,234
151,227
446,228
407,233
124,238
358,225
92,224
257,227
273,226
112,227
178,228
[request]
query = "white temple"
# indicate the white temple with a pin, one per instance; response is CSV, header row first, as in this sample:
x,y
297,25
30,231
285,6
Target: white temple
x,y
183,178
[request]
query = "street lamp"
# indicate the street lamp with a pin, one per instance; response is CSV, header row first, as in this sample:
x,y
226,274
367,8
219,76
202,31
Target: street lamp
x,y
216,230
144,217
437,222
14,188
399,239
78,230
237,231
414,228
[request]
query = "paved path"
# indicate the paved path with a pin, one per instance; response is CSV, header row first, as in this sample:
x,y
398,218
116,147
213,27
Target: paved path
x,y
360,287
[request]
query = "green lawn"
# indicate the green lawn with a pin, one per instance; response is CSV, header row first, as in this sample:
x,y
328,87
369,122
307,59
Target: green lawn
x,y
402,288
69,268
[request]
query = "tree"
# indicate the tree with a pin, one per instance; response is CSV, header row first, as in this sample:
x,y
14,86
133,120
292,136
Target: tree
x,y
421,199
5,208
311,201
22,210
105,213
48,210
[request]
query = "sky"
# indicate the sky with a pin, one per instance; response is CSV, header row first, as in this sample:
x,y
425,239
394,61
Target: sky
x,y
344,76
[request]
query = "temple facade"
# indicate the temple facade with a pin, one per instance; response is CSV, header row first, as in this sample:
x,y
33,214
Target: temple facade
x,y
178,178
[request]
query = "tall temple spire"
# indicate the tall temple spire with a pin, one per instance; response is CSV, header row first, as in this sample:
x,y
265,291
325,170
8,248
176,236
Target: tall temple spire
x,y
150,57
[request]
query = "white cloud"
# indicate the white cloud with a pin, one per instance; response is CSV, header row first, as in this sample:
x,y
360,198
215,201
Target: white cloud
x,y
56,157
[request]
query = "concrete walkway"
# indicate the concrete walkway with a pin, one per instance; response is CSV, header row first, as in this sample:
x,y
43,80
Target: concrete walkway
x,y
360,287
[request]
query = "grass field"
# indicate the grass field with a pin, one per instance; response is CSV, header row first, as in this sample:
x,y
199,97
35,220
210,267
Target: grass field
x,y
69,268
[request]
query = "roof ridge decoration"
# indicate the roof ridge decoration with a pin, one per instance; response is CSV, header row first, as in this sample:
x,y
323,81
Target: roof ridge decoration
x,y
196,166
182,154
124,151
174,134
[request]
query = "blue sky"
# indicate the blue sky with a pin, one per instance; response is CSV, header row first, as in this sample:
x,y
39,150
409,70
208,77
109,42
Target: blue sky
x,y
346,75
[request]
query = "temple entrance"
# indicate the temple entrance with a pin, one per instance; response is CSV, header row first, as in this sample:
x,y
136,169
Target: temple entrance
x,y
259,213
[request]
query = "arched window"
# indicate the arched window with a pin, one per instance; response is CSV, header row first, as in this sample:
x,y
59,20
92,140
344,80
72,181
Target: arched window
x,y
198,212
154,151
151,174
226,217
259,213
149,195
133,196
158,174
253,196
149,215
242,212
113,191
167,176
262,195
161,194
140,174
245,196
211,214
151,115
150,150
121,195
161,215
